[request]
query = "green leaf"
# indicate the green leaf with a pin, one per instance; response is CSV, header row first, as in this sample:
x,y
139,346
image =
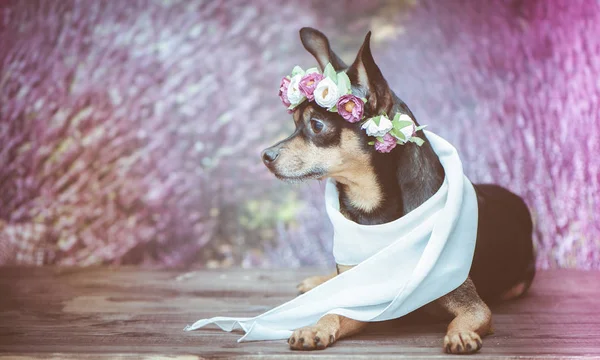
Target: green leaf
x,y
334,109
297,70
376,120
343,83
329,72
380,139
400,142
396,117
311,70
420,127
401,124
371,143
399,135
343,90
364,100
417,140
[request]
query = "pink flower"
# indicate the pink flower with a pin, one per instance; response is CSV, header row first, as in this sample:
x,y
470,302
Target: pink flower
x,y
285,82
309,83
389,142
351,108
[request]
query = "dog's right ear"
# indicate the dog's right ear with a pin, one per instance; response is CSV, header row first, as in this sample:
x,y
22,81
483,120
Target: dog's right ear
x,y
364,72
317,44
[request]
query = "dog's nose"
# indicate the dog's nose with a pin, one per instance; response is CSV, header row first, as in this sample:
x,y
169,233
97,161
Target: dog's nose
x,y
270,155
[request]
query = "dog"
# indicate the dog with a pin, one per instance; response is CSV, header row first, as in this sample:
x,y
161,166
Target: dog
x,y
376,188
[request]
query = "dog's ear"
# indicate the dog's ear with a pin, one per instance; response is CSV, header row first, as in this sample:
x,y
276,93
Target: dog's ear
x,y
365,73
317,44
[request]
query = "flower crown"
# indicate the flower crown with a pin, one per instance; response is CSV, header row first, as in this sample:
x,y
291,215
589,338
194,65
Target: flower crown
x,y
333,92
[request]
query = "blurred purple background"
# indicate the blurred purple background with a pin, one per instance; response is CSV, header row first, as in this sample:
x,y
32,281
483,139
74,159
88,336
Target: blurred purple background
x,y
130,131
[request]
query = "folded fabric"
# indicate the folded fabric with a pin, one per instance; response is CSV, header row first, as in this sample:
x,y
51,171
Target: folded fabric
x,y
400,266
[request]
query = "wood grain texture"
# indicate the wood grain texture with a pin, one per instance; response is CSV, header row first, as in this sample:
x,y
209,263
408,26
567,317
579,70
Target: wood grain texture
x,y
131,313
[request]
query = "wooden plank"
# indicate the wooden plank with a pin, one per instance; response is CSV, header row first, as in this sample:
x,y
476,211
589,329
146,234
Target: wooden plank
x,y
125,313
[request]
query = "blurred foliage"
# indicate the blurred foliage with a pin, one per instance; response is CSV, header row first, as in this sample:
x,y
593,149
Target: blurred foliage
x,y
266,214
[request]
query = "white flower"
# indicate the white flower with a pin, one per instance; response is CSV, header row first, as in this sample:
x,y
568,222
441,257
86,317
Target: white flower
x,y
408,130
385,125
295,96
326,93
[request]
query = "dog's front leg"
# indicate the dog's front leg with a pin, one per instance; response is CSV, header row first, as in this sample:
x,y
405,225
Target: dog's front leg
x,y
324,333
473,319
314,281
328,329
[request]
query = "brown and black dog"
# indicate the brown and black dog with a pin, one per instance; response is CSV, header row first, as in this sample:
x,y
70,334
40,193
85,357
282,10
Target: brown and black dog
x,y
376,188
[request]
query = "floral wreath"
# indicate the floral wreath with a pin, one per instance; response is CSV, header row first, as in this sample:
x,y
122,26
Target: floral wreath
x,y
332,91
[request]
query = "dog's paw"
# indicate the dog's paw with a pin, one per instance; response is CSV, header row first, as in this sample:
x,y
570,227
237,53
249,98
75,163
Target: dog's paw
x,y
462,342
311,338
310,283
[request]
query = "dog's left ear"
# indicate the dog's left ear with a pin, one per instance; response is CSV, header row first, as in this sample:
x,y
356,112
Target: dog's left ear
x,y
365,73
318,45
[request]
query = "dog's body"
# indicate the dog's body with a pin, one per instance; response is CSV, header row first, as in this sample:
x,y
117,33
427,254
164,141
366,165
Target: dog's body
x,y
377,188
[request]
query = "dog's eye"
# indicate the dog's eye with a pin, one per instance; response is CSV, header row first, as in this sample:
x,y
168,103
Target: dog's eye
x,y
316,126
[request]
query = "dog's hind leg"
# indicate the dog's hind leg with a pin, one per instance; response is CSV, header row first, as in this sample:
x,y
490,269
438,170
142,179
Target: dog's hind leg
x,y
472,319
521,288
324,333
313,281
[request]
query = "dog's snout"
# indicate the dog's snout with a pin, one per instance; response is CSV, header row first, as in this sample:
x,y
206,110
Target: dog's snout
x,y
269,155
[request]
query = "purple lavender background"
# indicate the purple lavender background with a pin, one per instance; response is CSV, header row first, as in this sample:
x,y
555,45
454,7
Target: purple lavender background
x,y
130,131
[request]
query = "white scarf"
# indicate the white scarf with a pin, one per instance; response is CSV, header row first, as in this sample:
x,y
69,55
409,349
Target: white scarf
x,y
402,265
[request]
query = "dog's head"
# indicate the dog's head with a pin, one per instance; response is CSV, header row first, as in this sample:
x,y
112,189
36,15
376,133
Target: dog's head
x,y
323,143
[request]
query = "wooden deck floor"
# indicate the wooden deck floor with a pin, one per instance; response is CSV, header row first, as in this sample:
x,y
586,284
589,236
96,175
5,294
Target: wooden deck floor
x,y
53,313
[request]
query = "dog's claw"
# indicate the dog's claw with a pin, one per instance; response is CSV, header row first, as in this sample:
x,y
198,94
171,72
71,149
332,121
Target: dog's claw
x,y
464,342
311,338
